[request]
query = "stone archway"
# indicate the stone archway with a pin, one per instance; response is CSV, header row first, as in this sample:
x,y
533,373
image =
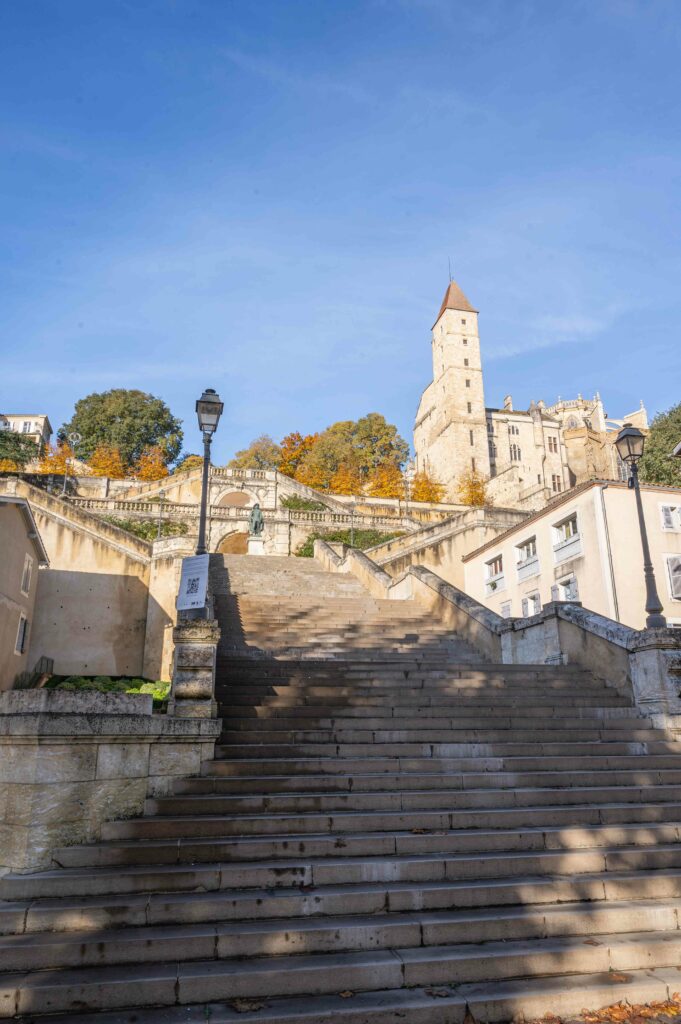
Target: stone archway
x,y
235,543
235,499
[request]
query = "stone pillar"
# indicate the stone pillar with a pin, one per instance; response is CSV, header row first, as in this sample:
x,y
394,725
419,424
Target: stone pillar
x,y
193,690
655,667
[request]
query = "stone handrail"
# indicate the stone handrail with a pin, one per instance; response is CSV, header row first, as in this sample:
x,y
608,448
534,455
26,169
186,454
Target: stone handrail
x,y
645,664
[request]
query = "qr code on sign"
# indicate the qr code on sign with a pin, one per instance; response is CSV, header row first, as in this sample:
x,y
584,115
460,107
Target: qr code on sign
x,y
193,585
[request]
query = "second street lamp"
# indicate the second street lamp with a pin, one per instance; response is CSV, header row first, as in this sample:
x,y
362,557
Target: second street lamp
x,y
630,444
208,409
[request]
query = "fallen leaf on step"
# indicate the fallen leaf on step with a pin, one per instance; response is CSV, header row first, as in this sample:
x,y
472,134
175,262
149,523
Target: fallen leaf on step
x,y
592,942
438,993
617,976
419,831
348,994
247,1005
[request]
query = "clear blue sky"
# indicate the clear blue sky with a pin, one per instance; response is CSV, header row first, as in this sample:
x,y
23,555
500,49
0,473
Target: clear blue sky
x,y
262,197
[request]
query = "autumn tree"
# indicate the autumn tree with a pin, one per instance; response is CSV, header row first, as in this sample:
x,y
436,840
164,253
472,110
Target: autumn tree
x,y
426,488
665,433
294,447
128,420
346,480
57,458
16,451
387,482
262,453
365,445
189,462
151,465
473,489
107,461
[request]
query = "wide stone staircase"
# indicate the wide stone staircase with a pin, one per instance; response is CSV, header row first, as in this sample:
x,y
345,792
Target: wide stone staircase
x,y
391,830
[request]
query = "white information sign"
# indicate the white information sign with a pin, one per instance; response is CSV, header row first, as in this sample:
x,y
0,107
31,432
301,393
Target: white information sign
x,y
193,583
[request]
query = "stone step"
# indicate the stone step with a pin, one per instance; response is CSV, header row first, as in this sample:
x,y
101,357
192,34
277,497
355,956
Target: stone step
x,y
389,717
321,723
482,748
420,701
405,781
514,796
404,856
226,767
97,946
499,1002
168,984
499,731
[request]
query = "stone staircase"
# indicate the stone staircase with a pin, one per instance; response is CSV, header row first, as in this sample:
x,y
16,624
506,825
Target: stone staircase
x,y
391,830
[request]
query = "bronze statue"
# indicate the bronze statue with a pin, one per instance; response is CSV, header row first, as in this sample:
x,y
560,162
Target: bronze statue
x,y
256,522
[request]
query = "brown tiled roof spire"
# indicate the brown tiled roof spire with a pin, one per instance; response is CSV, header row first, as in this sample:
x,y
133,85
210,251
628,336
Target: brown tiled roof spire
x,y
455,299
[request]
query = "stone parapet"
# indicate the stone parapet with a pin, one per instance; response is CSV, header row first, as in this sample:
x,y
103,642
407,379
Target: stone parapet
x,y
71,761
193,688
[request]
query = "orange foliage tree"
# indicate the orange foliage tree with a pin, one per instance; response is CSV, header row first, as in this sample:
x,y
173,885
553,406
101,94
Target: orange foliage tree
x,y
188,463
151,464
426,488
294,448
473,489
346,480
56,458
107,461
387,482
9,466
313,475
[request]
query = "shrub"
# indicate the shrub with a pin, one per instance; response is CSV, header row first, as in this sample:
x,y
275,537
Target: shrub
x,y
147,529
106,684
296,503
363,539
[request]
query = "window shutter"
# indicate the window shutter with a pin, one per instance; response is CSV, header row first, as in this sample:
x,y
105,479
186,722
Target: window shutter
x,y
667,517
674,566
555,592
525,607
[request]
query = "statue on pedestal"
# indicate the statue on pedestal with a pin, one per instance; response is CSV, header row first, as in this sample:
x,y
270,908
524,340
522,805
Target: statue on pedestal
x,y
256,522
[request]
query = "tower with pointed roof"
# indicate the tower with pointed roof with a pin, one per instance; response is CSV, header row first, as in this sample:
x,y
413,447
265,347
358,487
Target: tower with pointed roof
x,y
450,433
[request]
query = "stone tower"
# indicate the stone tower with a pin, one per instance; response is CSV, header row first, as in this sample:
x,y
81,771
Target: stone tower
x,y
450,433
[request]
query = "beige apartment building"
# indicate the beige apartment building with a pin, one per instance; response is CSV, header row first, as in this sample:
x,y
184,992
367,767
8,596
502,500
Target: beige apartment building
x,y
21,554
584,546
38,428
529,455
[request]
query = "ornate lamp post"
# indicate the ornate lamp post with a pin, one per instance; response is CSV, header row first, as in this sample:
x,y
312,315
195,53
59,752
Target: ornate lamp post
x,y
208,409
630,443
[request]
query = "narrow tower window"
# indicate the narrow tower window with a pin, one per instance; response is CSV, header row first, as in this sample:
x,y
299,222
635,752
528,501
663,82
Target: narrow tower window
x,y
468,383
470,432
465,362
470,407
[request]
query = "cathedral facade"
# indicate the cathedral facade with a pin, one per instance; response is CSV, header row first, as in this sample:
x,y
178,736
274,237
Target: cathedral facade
x,y
528,456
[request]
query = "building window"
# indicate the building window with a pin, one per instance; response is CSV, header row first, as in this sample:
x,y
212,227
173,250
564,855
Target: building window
x,y
470,434
531,604
553,445
556,483
494,575
473,465
674,571
671,517
492,450
527,550
26,576
463,321
465,341
470,407
566,539
567,589
506,610
22,634
468,383
527,562
513,429
515,453
26,427
465,362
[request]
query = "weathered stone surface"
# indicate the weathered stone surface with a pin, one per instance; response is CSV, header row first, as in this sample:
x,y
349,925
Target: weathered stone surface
x,y
122,760
80,702
192,655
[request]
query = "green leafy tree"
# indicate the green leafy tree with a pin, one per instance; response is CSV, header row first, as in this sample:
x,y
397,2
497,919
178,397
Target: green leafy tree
x,y
17,449
363,447
665,433
262,453
130,421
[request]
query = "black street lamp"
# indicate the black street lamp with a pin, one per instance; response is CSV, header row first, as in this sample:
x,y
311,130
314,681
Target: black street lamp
x,y
630,443
208,409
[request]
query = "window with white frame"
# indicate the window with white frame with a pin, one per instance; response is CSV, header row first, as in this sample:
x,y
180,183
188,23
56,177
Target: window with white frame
x,y
671,517
26,427
567,542
527,562
506,610
567,589
494,574
674,574
26,575
531,605
22,635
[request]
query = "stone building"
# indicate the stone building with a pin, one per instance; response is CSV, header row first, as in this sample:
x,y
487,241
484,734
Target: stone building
x,y
528,455
23,552
37,427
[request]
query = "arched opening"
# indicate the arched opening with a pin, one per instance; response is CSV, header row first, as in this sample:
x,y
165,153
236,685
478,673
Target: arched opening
x,y
234,499
235,543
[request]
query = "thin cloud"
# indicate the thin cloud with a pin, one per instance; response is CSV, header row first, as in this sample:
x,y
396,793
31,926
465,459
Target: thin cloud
x,y
278,75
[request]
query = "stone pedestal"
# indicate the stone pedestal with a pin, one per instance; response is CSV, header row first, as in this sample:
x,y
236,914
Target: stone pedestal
x,y
256,545
193,690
